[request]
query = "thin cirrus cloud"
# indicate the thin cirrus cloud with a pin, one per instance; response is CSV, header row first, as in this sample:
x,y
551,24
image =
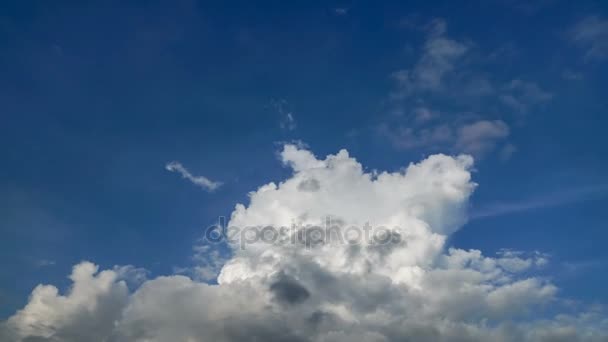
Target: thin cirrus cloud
x,y
200,181
569,196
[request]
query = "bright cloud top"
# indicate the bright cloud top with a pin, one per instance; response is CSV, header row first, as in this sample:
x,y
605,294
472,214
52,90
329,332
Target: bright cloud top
x,y
415,290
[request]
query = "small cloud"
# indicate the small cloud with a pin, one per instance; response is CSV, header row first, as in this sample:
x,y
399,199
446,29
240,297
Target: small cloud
x,y
201,181
591,33
439,58
572,75
288,123
287,120
341,10
423,114
529,91
521,95
507,151
404,137
45,263
476,138
481,136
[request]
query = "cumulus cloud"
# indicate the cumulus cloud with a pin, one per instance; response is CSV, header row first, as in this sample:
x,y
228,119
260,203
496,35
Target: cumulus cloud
x,y
201,181
86,313
416,288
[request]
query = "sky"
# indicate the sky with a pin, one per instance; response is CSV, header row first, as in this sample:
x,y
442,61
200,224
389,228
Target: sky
x,y
476,127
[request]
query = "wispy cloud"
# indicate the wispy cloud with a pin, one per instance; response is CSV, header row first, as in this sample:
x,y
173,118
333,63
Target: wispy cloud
x,y
478,137
287,119
472,103
572,75
475,138
341,10
520,95
439,57
592,34
45,263
573,195
201,181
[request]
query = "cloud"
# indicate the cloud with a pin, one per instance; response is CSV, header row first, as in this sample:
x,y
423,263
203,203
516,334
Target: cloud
x,y
439,56
424,114
507,151
45,263
449,75
341,10
521,95
563,197
481,136
591,33
414,288
86,312
476,137
405,137
201,181
287,119
571,75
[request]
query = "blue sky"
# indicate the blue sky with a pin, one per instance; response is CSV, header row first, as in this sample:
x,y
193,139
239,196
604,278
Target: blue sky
x,y
97,98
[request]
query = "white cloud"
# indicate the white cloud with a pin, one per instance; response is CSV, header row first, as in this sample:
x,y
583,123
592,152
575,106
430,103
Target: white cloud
x,y
201,181
86,312
413,289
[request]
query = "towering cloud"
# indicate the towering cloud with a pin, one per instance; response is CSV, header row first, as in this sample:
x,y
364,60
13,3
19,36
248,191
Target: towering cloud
x,y
411,287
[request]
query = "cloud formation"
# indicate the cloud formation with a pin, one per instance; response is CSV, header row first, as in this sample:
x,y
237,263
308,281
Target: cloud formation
x,y
418,289
446,101
201,181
